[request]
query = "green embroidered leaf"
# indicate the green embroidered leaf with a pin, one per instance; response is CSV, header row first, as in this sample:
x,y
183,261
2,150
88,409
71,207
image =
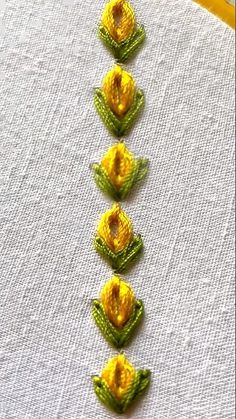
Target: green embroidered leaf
x,y
136,175
133,45
103,181
121,260
116,126
133,323
140,383
108,117
130,254
107,329
124,50
138,386
105,396
117,337
131,115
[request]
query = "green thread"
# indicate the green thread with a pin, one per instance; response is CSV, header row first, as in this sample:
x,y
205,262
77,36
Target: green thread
x,y
120,261
122,51
118,126
138,386
141,382
105,395
136,175
117,337
103,182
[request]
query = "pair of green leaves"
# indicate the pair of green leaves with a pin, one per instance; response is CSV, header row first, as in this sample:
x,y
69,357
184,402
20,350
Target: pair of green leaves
x,y
120,261
117,337
122,51
139,384
103,181
118,126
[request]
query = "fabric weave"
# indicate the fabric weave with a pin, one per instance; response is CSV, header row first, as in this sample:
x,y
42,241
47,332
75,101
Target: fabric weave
x,y
50,133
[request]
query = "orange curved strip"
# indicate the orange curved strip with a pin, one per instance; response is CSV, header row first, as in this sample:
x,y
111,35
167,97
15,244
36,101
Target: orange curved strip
x,y
221,8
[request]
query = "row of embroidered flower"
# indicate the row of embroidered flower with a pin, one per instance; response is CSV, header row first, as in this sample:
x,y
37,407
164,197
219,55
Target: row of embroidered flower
x,y
117,313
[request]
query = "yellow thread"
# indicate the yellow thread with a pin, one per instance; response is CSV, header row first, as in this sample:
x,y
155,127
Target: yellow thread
x,y
118,375
118,163
119,20
115,228
117,299
119,90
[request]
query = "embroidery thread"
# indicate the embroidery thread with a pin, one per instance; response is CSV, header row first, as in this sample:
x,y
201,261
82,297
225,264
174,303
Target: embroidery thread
x,y
119,172
115,239
118,102
120,384
118,313
119,30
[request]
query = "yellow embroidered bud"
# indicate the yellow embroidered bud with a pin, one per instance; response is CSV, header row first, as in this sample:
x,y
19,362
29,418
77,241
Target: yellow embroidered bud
x,y
119,90
115,228
117,299
118,163
118,19
118,375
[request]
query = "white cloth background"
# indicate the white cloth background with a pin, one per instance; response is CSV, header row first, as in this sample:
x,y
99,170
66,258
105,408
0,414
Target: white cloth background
x,y
50,61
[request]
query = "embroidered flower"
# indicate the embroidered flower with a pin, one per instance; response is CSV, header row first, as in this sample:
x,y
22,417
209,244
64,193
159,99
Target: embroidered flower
x,y
117,313
119,171
115,239
119,31
120,384
118,101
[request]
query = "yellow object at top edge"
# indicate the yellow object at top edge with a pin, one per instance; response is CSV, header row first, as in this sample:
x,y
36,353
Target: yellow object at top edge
x,y
221,8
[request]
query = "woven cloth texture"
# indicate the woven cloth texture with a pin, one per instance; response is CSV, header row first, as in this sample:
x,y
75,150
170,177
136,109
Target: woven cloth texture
x,y
50,61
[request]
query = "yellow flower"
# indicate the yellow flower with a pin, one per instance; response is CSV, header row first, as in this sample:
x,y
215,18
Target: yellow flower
x,y
118,163
119,20
118,375
115,228
117,299
119,90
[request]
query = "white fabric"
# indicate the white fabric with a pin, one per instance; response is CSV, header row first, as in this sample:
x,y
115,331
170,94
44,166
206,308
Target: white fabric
x,y
50,61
